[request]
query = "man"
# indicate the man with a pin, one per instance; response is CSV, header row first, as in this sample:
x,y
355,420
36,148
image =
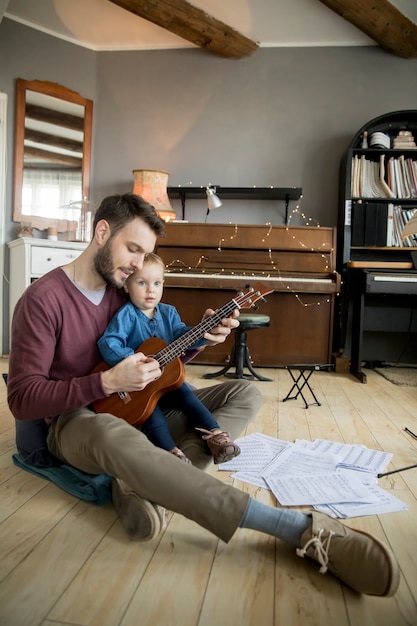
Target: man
x,y
56,325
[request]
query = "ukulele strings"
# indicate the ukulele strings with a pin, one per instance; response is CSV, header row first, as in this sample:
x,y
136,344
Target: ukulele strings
x,y
167,354
170,352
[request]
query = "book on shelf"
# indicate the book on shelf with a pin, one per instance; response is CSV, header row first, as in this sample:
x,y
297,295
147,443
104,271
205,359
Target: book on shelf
x,y
410,224
381,232
390,224
355,177
357,224
377,224
377,179
386,189
364,187
371,218
372,224
404,177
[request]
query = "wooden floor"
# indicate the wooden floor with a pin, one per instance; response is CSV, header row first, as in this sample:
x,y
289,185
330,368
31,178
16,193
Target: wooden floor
x,y
63,561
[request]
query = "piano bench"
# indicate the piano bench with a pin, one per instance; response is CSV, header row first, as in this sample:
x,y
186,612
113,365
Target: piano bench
x,y
301,380
240,356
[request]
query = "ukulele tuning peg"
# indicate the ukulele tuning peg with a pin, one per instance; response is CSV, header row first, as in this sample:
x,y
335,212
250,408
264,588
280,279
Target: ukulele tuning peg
x,y
255,307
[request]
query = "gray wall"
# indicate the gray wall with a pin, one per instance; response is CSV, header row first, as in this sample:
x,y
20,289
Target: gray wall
x,y
281,117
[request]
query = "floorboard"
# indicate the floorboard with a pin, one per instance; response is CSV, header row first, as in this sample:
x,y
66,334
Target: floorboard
x,y
67,562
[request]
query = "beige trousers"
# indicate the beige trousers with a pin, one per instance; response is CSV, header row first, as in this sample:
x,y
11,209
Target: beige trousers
x,y
102,443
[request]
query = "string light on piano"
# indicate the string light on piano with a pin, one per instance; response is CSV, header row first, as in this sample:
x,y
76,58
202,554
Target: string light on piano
x,y
219,247
179,266
308,220
201,259
268,233
175,262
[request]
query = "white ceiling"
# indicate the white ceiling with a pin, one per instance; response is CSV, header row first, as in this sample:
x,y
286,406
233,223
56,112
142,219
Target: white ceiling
x,y
101,25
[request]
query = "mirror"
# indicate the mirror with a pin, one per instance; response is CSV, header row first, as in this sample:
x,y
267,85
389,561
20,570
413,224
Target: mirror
x,y
52,155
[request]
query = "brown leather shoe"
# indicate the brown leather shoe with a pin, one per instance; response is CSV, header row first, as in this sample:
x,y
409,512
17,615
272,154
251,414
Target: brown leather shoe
x,y
221,446
361,561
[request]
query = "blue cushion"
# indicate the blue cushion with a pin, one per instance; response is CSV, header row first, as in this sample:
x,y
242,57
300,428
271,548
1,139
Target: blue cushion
x,y
90,487
34,456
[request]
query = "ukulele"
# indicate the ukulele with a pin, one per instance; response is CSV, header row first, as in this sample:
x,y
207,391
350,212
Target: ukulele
x,y
136,406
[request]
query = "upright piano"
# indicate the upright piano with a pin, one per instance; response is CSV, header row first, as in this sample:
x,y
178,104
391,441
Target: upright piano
x,y
208,263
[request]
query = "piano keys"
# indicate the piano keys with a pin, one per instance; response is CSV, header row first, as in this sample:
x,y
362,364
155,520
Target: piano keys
x,y
392,282
287,282
207,263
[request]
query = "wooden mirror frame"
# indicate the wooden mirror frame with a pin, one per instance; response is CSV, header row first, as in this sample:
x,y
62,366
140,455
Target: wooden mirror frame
x,y
63,93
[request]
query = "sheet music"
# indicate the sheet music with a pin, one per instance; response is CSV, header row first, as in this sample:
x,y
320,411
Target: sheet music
x,y
312,488
302,461
384,502
355,456
256,451
340,479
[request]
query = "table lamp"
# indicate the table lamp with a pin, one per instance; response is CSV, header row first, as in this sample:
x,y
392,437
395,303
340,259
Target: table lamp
x,y
151,185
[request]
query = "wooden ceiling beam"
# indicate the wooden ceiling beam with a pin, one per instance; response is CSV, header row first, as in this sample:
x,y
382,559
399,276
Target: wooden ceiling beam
x,y
382,22
194,25
41,114
51,157
54,141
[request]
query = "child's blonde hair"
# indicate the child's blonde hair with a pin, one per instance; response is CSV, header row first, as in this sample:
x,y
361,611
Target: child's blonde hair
x,y
150,259
153,259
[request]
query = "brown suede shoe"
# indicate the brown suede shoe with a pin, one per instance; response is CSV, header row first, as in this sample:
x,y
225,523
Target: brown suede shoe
x,y
141,519
221,446
359,560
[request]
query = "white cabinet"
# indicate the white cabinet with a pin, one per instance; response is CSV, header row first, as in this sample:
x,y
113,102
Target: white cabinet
x,y
31,258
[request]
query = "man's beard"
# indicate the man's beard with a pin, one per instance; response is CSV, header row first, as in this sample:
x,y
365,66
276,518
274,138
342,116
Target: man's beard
x,y
103,263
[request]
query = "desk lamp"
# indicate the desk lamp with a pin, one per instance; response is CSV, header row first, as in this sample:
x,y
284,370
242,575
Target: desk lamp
x,y
213,201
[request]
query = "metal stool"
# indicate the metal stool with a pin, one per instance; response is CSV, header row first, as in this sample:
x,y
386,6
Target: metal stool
x,y
240,357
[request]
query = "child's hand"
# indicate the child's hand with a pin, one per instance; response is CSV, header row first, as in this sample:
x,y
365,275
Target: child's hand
x,y
222,331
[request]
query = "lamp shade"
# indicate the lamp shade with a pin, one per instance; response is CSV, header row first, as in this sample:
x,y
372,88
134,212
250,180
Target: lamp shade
x,y
151,185
213,201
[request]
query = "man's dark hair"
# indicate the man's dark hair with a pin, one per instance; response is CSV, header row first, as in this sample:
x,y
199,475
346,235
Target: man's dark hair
x,y
120,209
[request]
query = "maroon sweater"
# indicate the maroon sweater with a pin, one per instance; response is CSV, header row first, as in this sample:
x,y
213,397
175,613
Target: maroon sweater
x,y
54,347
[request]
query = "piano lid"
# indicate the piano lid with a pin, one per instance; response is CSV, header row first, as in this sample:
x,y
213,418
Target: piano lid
x,y
241,249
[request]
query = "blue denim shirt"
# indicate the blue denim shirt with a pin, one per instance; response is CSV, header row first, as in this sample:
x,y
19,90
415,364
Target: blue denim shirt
x,y
130,327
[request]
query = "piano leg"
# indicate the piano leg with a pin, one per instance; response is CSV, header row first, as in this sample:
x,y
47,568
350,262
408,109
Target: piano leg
x,y
358,286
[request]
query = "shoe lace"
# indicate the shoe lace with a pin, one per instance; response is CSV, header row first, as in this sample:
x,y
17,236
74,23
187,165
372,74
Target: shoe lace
x,y
321,546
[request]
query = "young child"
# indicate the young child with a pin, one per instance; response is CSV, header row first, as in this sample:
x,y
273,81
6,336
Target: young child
x,y
145,317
